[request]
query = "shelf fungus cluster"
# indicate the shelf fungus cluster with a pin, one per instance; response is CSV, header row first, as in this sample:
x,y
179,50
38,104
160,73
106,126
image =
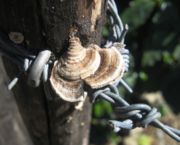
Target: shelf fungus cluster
x,y
93,66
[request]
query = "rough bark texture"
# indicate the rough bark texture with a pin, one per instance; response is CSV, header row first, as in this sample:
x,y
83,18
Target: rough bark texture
x,y
46,24
12,129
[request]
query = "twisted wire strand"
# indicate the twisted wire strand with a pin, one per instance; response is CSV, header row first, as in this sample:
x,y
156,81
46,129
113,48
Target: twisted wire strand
x,y
118,32
135,115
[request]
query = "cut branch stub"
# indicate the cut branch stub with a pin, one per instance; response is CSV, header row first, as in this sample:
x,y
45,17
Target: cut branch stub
x,y
95,66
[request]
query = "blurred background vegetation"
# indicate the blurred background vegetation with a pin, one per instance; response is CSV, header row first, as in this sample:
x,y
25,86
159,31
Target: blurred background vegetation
x,y
154,42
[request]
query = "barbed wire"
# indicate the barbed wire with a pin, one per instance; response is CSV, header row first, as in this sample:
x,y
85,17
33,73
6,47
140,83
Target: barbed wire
x,y
135,115
37,69
34,65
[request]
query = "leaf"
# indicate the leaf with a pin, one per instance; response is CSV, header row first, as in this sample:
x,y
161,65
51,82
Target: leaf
x,y
150,57
176,53
145,140
167,58
137,12
101,108
143,76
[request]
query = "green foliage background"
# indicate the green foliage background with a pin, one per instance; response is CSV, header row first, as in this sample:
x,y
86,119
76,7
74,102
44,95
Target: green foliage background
x,y
154,42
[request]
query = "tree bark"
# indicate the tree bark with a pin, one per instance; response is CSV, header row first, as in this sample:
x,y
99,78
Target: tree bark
x,y
46,24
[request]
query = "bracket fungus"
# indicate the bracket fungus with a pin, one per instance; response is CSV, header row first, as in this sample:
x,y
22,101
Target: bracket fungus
x,y
110,70
68,90
78,62
91,65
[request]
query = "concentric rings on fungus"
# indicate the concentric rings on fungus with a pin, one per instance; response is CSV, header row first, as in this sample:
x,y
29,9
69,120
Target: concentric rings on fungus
x,y
110,70
68,90
78,62
95,66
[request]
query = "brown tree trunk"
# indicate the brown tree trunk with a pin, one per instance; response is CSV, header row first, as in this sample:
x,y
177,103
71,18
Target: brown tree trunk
x,y
46,24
